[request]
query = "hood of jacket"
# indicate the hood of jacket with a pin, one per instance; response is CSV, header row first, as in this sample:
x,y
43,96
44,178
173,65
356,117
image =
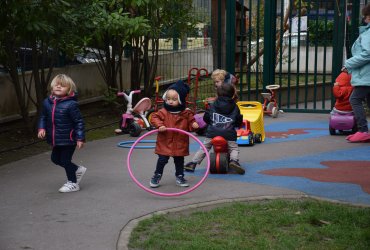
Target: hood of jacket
x,y
224,105
363,28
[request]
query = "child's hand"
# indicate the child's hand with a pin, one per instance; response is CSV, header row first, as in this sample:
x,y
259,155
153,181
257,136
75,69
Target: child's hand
x,y
195,125
80,144
336,84
162,128
41,134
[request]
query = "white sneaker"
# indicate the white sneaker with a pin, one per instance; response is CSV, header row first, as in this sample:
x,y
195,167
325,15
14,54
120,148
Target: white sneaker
x,y
80,173
69,187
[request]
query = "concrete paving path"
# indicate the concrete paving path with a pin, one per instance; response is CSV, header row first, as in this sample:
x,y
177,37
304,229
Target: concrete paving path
x,y
294,161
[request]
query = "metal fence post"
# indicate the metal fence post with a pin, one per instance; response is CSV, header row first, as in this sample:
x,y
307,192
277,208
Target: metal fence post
x,y
230,36
355,17
269,44
338,37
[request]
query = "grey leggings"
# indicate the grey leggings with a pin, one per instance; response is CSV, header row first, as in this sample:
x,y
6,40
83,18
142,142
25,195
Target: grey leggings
x,y
358,96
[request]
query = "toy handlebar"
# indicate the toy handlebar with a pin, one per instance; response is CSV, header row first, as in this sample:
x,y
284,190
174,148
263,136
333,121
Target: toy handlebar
x,y
132,92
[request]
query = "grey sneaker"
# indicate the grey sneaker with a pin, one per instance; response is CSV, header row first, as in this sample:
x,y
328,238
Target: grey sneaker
x,y
80,173
236,166
180,181
190,166
69,187
154,182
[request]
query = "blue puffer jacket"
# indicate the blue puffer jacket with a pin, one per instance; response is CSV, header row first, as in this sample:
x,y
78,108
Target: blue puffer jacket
x,y
62,120
359,64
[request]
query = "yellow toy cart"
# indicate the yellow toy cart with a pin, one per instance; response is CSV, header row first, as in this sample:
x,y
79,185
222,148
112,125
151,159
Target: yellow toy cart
x,y
252,129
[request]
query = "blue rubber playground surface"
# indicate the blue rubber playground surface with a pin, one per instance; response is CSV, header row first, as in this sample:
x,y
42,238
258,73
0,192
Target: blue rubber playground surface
x,y
338,174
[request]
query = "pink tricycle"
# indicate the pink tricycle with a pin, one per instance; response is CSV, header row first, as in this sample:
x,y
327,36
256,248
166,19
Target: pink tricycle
x,y
133,121
342,121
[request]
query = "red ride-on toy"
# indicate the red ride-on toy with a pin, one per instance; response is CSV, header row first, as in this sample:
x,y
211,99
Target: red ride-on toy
x,y
270,106
219,159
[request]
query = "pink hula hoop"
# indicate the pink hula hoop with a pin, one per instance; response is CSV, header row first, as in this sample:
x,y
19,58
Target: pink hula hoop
x,y
167,194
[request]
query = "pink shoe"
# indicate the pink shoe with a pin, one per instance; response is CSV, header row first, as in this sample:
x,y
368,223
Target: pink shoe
x,y
360,137
349,137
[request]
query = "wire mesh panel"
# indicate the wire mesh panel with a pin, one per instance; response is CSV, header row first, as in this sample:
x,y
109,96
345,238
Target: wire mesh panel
x,y
312,38
181,51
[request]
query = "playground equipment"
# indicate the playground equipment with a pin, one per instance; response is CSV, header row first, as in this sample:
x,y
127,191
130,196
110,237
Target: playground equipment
x,y
252,129
219,159
343,121
158,101
192,98
133,121
270,105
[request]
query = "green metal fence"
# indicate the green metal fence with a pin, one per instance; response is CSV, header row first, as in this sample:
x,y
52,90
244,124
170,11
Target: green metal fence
x,y
299,45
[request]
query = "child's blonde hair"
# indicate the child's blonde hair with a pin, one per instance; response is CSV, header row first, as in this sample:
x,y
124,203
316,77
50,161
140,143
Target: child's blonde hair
x,y
64,81
218,74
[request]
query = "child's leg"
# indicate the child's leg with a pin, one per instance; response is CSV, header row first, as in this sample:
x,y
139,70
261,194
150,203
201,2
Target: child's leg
x,y
200,154
233,150
179,164
55,155
66,153
162,161
234,157
358,95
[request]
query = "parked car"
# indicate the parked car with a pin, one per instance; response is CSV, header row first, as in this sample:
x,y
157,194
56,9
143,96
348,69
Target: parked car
x,y
91,55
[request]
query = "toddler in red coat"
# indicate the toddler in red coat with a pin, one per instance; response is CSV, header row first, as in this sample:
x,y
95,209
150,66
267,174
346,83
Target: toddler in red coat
x,y
342,91
169,143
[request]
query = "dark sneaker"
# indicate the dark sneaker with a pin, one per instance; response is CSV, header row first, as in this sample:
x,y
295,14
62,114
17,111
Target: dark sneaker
x,y
154,182
190,166
236,166
180,181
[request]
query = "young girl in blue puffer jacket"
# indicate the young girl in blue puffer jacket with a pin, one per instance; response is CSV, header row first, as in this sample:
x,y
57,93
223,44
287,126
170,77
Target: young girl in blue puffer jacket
x,y
62,124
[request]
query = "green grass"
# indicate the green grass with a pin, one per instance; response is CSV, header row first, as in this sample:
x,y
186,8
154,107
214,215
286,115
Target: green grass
x,y
277,224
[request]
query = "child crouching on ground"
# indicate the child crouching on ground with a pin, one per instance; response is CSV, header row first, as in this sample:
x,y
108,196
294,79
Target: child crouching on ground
x,y
222,118
169,143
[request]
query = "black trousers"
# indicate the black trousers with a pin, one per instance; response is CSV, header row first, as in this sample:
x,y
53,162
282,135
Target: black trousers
x,y
62,156
163,160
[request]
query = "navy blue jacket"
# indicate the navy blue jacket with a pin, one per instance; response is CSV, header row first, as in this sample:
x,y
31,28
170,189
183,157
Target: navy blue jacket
x,y
62,120
222,118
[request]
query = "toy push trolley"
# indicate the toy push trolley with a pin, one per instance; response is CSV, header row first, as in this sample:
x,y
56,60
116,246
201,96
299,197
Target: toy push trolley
x,y
252,129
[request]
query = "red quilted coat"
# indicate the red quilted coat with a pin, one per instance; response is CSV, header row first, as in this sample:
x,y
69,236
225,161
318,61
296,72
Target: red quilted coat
x,y
342,92
172,143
